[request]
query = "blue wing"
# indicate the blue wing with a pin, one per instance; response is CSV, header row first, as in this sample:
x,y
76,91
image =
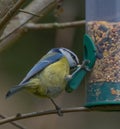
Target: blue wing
x,y
43,63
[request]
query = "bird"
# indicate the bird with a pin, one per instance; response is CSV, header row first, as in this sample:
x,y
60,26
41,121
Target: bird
x,y
49,76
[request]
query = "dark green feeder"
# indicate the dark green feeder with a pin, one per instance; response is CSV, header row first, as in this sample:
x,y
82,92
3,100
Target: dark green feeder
x,y
101,50
103,25
100,91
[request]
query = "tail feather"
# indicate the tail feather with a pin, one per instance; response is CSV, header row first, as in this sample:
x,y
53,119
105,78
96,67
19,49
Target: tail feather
x,y
14,90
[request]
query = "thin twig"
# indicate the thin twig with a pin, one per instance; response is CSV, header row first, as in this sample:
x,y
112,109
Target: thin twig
x,y
24,11
42,113
16,124
11,13
20,116
34,26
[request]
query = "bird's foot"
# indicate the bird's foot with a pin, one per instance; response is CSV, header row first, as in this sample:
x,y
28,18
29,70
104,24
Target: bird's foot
x,y
58,109
59,112
68,77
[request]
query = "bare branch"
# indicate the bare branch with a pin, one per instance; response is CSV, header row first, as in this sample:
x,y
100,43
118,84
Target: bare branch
x,y
24,11
42,113
20,116
10,13
5,5
32,26
65,110
16,29
16,124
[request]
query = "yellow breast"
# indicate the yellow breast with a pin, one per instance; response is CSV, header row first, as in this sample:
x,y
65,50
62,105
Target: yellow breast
x,y
51,81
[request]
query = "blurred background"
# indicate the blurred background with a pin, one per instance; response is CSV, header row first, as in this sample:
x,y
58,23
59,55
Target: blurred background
x,y
18,59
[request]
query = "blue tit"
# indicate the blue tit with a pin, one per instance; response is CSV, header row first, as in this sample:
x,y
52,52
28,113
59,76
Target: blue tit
x,y
48,78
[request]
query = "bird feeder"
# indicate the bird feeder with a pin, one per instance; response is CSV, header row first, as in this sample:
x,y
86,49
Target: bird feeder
x,y
103,26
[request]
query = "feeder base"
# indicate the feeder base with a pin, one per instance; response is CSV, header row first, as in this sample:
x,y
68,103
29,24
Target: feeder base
x,y
104,95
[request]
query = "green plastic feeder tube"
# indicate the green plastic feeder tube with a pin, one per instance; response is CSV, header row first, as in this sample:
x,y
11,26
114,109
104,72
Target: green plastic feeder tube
x,y
103,26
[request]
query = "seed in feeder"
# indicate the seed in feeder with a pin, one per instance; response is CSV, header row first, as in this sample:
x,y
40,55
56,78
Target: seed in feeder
x,y
106,36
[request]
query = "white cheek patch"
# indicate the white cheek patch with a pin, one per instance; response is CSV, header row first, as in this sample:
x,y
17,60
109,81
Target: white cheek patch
x,y
71,56
67,54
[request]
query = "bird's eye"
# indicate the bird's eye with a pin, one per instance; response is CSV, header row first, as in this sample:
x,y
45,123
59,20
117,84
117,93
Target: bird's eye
x,y
75,59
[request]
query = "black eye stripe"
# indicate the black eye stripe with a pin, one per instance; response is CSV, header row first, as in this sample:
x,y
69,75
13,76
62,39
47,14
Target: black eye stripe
x,y
72,54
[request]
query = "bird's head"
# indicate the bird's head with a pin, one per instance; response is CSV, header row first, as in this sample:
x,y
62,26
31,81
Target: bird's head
x,y
71,56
